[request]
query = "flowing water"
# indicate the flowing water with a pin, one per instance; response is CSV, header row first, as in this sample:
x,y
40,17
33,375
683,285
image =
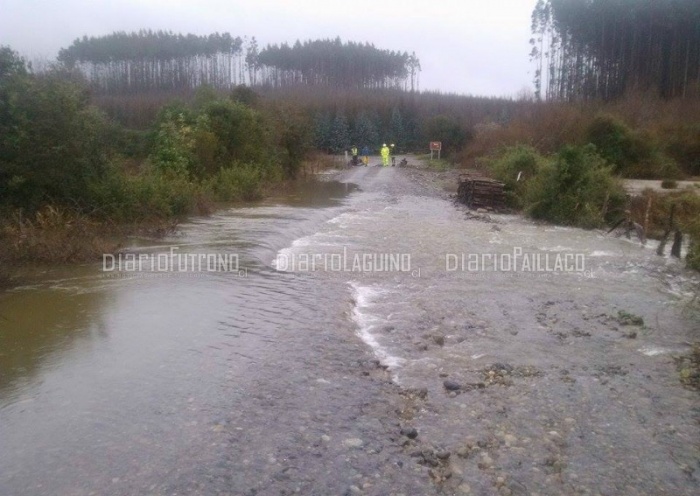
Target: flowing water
x,y
261,377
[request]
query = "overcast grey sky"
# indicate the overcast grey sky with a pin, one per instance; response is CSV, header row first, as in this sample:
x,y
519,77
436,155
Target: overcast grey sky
x,y
475,47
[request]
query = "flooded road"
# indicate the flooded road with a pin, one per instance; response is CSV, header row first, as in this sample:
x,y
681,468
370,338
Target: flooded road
x,y
522,371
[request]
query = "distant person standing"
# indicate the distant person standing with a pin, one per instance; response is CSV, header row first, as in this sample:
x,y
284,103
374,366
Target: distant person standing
x,y
353,152
385,155
392,151
365,155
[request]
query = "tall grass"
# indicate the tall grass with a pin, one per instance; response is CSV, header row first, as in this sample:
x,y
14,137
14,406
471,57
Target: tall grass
x,y
54,235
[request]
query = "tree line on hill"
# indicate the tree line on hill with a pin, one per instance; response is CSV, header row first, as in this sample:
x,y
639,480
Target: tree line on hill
x,y
148,60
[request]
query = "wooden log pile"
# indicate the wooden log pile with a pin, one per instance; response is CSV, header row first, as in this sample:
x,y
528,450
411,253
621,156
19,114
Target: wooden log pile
x,y
481,192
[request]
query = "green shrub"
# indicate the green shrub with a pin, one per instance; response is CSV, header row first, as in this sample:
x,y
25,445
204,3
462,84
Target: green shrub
x,y
174,144
693,257
613,140
52,143
241,131
236,183
687,216
669,184
291,133
631,154
574,188
147,196
683,145
515,162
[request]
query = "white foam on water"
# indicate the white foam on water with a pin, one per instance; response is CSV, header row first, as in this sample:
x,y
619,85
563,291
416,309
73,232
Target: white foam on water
x,y
654,351
330,237
367,323
602,253
682,287
556,248
286,253
317,240
346,219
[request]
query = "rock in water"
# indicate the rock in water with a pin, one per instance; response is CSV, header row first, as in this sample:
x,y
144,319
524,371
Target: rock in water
x,y
451,385
410,433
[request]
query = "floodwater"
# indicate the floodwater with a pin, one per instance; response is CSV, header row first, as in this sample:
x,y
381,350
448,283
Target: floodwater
x,y
242,357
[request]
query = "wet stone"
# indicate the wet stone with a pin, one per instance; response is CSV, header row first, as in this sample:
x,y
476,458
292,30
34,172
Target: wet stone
x,y
464,451
410,432
502,367
354,443
451,385
442,454
517,489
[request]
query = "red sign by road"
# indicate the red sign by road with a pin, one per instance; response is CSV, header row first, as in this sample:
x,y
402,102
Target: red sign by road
x,y
435,145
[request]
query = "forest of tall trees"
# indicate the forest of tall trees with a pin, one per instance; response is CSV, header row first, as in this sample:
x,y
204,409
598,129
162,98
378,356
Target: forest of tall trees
x,y
155,61
147,60
592,49
337,64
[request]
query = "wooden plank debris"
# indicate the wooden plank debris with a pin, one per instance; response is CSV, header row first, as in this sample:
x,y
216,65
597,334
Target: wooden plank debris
x,y
481,192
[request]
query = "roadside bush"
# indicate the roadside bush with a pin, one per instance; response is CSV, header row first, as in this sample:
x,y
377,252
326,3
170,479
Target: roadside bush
x,y
161,196
575,188
693,258
173,145
513,162
614,141
669,184
683,145
241,131
292,135
236,183
631,154
151,195
686,210
52,142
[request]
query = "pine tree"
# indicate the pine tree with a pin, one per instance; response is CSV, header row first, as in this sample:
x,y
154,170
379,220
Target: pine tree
x,y
365,131
397,129
323,126
340,133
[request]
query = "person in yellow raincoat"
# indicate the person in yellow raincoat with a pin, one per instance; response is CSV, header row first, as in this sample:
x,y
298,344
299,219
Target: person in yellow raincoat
x,y
385,155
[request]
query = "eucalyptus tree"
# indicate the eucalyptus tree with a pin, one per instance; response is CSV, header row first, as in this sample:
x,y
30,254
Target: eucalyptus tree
x,y
154,60
336,64
601,48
